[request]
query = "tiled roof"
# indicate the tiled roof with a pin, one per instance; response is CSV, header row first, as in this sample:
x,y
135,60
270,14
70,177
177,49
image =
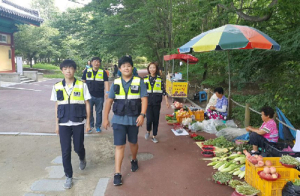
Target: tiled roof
x,y
14,11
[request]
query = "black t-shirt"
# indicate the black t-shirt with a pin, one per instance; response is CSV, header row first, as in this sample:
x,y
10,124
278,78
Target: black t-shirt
x,y
97,94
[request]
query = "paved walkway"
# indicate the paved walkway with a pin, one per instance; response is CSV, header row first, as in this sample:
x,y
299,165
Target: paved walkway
x,y
30,165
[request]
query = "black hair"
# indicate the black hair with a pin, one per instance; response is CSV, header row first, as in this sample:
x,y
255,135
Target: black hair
x,y
220,90
95,59
268,111
125,59
68,63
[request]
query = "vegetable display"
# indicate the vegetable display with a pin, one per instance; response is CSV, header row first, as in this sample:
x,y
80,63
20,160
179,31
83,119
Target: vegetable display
x,y
288,160
246,190
199,138
235,183
222,178
221,142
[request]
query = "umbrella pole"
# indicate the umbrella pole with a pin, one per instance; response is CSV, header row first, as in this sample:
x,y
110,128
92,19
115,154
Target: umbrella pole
x,y
229,73
187,71
229,94
173,68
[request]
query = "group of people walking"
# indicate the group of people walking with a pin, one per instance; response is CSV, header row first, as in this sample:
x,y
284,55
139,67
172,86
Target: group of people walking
x,y
132,100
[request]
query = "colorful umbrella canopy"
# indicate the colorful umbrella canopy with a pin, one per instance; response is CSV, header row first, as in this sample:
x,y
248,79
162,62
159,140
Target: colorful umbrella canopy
x,y
229,37
183,57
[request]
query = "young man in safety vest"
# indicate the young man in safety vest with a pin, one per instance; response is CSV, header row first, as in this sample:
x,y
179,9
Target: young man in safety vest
x,y
129,95
97,82
72,110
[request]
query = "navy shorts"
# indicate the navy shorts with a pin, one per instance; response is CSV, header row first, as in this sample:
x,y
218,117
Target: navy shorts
x,y
120,132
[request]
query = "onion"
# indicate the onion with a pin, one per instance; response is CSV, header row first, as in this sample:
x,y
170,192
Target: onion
x,y
268,163
272,170
267,170
260,163
274,175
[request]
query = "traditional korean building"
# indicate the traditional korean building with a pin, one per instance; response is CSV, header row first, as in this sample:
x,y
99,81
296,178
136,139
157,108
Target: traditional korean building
x,y
12,14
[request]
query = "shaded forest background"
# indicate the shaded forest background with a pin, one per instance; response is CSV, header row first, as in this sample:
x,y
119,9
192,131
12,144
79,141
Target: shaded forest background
x,y
153,28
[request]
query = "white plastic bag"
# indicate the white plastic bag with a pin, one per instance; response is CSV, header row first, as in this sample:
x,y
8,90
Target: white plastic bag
x,y
230,123
230,133
209,126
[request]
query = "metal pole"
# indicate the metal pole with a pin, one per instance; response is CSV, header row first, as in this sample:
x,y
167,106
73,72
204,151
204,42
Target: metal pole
x,y
173,67
229,73
187,71
229,94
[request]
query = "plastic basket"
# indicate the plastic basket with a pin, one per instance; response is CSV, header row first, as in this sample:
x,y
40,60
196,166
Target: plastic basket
x,y
275,150
270,188
251,170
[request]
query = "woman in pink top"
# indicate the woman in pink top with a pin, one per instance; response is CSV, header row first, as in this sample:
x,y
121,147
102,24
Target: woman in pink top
x,y
268,131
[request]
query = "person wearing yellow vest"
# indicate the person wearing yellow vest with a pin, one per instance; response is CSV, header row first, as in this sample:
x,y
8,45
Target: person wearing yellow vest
x,y
97,82
72,110
128,95
156,90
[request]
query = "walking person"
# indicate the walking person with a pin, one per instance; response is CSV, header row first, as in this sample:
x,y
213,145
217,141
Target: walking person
x,y
97,82
72,110
87,66
115,70
156,90
129,95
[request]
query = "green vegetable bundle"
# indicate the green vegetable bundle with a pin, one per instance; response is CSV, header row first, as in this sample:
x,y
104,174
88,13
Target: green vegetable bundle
x,y
246,190
235,183
222,178
199,138
220,142
287,159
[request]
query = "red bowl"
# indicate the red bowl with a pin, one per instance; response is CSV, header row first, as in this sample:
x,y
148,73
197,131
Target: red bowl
x,y
268,179
208,145
208,148
208,155
288,166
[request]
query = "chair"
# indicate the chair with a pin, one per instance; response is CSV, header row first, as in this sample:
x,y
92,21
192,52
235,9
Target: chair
x,y
202,96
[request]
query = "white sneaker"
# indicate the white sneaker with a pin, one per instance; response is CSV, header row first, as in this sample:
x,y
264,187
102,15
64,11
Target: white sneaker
x,y
154,140
69,183
147,135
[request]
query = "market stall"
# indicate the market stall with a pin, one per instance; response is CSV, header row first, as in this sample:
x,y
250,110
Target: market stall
x,y
177,87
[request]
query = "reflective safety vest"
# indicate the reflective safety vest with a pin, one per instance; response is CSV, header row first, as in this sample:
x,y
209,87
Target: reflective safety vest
x,y
127,104
95,82
70,107
155,91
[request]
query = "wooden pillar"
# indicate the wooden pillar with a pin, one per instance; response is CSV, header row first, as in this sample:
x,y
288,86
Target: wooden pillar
x,y
208,95
247,115
13,63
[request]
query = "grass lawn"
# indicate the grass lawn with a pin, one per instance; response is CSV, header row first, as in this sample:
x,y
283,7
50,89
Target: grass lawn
x,y
43,66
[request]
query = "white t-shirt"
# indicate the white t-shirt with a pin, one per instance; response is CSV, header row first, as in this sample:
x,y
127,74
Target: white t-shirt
x,y
69,89
212,101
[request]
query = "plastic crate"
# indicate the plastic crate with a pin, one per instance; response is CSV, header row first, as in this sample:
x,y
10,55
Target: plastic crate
x,y
270,188
251,170
275,150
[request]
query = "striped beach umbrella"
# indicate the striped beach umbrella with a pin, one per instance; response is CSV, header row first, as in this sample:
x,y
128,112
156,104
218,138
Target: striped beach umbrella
x,y
229,37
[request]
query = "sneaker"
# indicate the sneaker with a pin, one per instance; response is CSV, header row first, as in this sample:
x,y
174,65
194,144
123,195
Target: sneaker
x,y
91,130
117,179
154,140
68,184
82,164
147,135
134,165
98,130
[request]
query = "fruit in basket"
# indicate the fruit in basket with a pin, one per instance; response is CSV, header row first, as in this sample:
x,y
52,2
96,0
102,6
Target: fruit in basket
x,y
177,104
273,170
268,163
267,170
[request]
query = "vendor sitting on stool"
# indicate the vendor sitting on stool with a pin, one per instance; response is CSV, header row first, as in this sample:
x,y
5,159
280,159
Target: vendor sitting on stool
x,y
268,131
219,111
